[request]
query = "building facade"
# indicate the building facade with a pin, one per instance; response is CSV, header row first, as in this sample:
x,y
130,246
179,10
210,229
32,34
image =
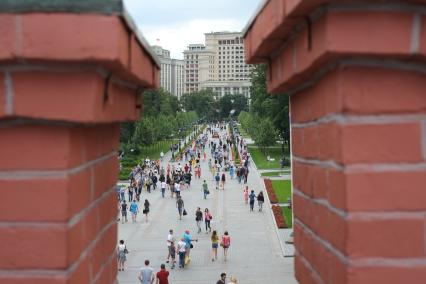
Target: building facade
x,y
218,65
172,72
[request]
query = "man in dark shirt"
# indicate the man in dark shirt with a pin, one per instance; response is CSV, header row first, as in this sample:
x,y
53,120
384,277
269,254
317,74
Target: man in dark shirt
x,y
222,279
124,211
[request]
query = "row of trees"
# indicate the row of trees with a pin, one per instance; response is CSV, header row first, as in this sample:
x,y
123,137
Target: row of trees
x,y
268,117
211,108
163,118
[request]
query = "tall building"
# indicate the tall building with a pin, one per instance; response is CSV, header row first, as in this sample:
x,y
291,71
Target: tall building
x,y
171,73
218,65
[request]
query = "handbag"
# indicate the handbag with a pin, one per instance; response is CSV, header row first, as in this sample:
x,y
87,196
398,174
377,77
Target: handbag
x,y
144,211
191,246
208,191
184,212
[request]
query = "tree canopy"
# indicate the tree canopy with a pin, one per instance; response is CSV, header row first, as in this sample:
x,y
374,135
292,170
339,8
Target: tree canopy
x,y
268,117
162,118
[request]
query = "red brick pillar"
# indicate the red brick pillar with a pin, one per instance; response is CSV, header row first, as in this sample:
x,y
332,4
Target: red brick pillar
x,y
355,73
66,82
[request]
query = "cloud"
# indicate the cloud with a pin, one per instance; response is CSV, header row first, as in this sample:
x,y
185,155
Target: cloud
x,y
178,23
177,37
175,11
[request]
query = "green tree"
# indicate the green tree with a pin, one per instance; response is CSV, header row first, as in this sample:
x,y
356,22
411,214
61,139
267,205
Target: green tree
x,y
229,102
144,132
202,102
127,130
276,107
264,133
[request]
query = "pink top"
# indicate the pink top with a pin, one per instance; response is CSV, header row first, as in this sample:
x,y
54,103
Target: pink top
x,y
207,216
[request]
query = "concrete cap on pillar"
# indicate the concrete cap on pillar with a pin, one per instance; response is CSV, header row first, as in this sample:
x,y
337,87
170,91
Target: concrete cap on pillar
x,y
90,52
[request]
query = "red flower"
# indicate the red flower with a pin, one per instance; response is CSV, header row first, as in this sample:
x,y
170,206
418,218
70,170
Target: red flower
x,y
270,191
279,219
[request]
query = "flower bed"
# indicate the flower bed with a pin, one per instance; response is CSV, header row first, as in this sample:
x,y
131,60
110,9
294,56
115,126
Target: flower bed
x,y
270,191
279,219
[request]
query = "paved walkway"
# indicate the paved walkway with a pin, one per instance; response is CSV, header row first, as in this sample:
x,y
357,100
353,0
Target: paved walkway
x,y
255,255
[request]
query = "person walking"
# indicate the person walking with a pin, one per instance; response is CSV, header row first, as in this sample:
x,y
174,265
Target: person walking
x,y
180,206
260,200
146,274
215,244
177,189
121,255
223,179
146,209
130,193
232,171
188,241
162,275
170,241
163,186
246,194
207,218
123,212
252,197
222,279
225,243
173,254
134,208
214,171
181,247
246,172
217,179
198,218
205,189
122,194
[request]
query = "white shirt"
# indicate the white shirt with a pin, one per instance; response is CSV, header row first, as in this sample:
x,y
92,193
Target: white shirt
x,y
163,184
121,247
177,187
181,246
170,239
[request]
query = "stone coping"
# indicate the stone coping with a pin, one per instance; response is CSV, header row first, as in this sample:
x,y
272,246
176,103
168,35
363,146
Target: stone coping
x,y
102,7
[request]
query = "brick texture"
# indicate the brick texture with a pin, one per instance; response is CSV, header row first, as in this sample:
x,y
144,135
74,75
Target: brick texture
x,y
356,82
74,77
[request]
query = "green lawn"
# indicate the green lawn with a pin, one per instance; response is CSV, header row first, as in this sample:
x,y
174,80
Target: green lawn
x,y
288,216
282,189
260,159
276,174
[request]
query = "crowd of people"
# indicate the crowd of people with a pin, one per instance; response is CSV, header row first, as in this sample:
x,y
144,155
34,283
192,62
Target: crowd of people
x,y
148,176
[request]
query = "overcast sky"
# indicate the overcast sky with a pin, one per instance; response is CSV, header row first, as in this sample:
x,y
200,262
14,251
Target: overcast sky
x,y
173,24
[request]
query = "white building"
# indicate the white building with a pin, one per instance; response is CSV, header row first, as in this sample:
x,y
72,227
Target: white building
x,y
171,73
218,65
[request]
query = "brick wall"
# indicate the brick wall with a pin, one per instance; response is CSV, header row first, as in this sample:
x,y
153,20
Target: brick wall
x,y
355,74
66,82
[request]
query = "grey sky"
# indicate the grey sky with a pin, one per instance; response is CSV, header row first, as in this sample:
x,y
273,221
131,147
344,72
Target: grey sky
x,y
173,24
